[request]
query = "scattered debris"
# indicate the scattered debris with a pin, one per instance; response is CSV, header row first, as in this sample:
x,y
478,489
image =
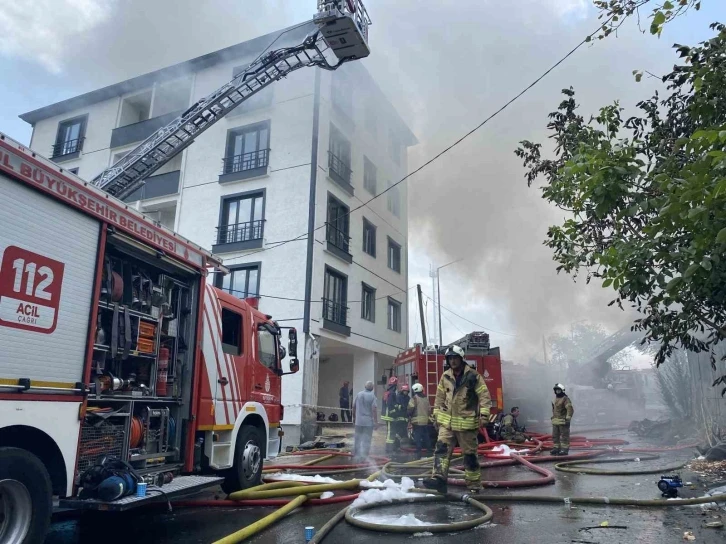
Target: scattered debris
x,y
715,470
406,520
327,495
425,533
667,431
717,453
688,535
714,524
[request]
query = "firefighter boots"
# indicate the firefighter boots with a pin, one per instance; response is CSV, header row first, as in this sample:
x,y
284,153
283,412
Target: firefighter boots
x,y
436,484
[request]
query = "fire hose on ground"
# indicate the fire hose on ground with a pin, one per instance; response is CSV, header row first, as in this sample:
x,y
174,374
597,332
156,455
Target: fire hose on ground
x,y
278,493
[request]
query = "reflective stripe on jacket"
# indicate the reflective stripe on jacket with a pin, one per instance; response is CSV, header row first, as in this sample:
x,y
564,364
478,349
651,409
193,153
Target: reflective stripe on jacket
x,y
459,408
419,409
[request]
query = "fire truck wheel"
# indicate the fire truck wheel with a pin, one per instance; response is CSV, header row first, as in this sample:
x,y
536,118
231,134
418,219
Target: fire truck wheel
x,y
249,453
26,497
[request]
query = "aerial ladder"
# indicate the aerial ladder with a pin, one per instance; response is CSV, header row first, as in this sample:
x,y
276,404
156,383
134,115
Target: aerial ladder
x,y
341,35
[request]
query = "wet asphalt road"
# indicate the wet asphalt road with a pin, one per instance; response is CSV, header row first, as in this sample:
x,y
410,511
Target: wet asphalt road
x,y
512,522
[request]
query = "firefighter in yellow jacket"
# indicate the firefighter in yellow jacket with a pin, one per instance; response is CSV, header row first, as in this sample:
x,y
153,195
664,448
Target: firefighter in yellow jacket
x,y
562,411
461,408
419,411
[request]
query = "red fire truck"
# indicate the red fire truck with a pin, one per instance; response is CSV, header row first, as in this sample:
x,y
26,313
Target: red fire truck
x,y
117,356
425,365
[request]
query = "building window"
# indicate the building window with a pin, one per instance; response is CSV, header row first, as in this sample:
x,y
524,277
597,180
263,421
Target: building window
x,y
339,159
248,152
369,237
242,282
73,170
342,93
335,298
368,304
267,348
369,176
338,228
394,315
231,332
69,139
394,200
394,147
394,256
241,222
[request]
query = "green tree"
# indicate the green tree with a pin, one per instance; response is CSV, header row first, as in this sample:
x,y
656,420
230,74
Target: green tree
x,y
575,348
645,200
614,12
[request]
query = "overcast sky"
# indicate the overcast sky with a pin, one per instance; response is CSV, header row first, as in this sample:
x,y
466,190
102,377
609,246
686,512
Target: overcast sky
x,y
445,65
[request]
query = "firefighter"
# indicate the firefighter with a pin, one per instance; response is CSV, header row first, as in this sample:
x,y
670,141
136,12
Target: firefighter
x,y
419,409
391,413
461,408
511,431
402,408
562,411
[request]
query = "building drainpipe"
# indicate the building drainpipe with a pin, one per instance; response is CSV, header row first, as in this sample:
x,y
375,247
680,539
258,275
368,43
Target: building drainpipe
x,y
311,205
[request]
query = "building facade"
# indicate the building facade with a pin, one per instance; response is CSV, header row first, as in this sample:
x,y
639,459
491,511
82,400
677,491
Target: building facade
x,y
302,156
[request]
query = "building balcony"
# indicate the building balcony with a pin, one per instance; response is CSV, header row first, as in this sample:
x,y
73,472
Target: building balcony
x,y
335,316
245,166
340,172
157,186
239,236
137,132
338,242
65,151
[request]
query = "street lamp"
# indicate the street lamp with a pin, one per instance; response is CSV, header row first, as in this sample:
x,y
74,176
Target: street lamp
x,y
438,288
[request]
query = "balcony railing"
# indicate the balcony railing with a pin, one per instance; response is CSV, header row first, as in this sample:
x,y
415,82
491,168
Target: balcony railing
x,y
337,237
67,148
240,232
338,167
335,311
246,161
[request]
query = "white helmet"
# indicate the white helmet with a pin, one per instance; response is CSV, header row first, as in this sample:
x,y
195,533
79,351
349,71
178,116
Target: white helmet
x,y
455,350
417,388
559,386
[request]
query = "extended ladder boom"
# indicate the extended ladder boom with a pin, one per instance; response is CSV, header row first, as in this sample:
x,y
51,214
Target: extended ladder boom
x,y
338,30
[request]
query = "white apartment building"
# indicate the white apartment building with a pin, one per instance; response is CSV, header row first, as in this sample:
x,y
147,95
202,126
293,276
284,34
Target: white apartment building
x,y
297,157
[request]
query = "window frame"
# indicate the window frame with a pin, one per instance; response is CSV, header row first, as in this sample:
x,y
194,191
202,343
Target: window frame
x,y
395,305
328,322
371,291
343,177
393,200
222,245
82,121
336,236
392,244
261,162
369,166
246,267
276,345
394,147
227,347
367,227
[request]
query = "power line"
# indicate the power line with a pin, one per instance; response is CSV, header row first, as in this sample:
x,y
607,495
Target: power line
x,y
290,299
468,320
516,97
453,325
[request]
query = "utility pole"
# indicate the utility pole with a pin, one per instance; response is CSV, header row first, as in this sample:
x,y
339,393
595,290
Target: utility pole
x,y
421,313
438,289
544,349
433,273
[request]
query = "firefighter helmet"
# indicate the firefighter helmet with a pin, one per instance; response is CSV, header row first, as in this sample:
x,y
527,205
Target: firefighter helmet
x,y
417,388
453,351
559,386
405,387
392,381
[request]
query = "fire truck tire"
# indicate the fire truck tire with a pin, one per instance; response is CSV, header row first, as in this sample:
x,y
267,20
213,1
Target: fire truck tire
x,y
249,453
26,497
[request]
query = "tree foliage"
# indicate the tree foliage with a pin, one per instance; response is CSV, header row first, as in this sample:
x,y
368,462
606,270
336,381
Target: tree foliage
x,y
575,348
614,12
646,200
